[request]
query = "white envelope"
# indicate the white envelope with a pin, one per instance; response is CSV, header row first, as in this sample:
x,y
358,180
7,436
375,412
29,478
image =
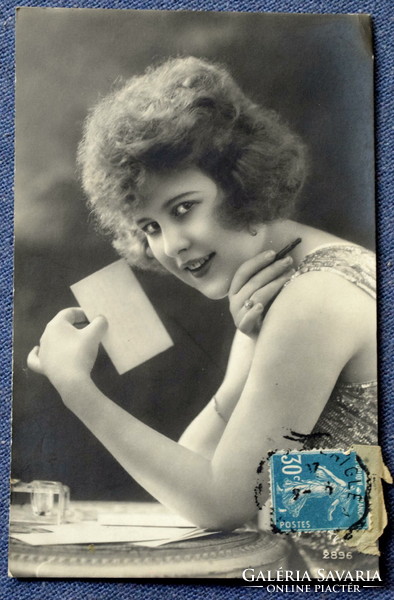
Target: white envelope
x,y
135,332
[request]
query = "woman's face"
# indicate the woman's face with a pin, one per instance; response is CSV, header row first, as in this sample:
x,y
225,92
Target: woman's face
x,y
179,219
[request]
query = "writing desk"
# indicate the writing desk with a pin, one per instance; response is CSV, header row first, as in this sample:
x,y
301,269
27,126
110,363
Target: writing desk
x,y
223,555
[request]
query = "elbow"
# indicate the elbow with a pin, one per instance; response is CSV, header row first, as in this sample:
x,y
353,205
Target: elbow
x,y
225,507
223,503
225,520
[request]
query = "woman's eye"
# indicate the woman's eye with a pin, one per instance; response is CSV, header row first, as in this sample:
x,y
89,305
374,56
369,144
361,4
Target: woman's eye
x,y
183,208
151,228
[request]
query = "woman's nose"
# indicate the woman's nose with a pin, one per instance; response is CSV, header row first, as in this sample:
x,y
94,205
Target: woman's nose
x,y
175,240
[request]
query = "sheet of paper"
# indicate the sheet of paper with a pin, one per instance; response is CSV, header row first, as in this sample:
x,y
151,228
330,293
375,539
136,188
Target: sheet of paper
x,y
143,520
135,332
94,533
198,533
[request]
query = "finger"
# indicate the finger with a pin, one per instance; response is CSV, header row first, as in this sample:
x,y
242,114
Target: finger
x,y
96,329
33,360
252,319
266,294
71,315
249,268
266,276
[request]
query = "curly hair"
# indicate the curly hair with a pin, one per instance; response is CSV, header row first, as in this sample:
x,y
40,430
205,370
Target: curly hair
x,y
187,112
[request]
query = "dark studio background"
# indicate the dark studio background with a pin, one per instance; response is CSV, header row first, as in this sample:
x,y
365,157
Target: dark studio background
x,y
314,70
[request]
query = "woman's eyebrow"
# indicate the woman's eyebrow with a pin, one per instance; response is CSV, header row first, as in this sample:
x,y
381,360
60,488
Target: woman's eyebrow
x,y
168,203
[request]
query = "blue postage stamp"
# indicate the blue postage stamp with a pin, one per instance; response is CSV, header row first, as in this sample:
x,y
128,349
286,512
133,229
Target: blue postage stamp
x,y
318,490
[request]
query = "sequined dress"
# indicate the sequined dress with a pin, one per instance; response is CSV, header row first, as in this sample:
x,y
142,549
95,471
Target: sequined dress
x,y
352,403
350,415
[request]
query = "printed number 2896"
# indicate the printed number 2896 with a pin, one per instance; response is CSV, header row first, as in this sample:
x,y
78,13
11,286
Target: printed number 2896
x,y
337,555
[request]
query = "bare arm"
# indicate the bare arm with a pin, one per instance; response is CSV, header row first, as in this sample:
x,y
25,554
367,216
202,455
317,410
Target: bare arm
x,y
278,396
204,432
259,280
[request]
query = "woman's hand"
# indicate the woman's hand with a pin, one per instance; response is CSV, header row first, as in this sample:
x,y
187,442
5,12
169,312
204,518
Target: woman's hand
x,y
254,286
66,352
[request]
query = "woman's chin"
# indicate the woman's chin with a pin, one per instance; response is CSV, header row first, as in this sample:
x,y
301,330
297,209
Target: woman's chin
x,y
214,292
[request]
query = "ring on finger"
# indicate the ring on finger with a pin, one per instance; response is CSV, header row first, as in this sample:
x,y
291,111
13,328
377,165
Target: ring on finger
x,y
248,304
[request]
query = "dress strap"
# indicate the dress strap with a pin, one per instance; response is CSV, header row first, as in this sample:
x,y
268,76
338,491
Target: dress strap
x,y
354,263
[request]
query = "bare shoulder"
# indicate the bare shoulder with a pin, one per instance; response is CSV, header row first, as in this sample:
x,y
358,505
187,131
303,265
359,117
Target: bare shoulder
x,y
321,295
318,314
307,338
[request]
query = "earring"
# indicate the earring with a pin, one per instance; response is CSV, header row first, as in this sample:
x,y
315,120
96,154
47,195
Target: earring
x,y
252,231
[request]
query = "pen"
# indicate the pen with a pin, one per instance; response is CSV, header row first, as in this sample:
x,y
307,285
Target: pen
x,y
282,253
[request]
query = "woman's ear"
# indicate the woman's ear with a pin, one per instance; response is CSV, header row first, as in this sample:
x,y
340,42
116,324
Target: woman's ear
x,y
252,231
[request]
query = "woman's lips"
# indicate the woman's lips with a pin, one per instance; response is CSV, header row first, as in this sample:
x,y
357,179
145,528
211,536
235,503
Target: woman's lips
x,y
199,268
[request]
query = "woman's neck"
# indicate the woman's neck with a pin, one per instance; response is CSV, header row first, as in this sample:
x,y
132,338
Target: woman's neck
x,y
281,233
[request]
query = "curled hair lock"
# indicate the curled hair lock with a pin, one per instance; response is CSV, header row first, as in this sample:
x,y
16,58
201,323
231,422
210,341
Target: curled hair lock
x,y
186,112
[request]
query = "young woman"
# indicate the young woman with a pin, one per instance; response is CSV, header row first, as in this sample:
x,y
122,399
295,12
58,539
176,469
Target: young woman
x,y
191,177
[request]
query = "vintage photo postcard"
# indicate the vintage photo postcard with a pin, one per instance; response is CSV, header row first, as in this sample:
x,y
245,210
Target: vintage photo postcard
x,y
195,361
